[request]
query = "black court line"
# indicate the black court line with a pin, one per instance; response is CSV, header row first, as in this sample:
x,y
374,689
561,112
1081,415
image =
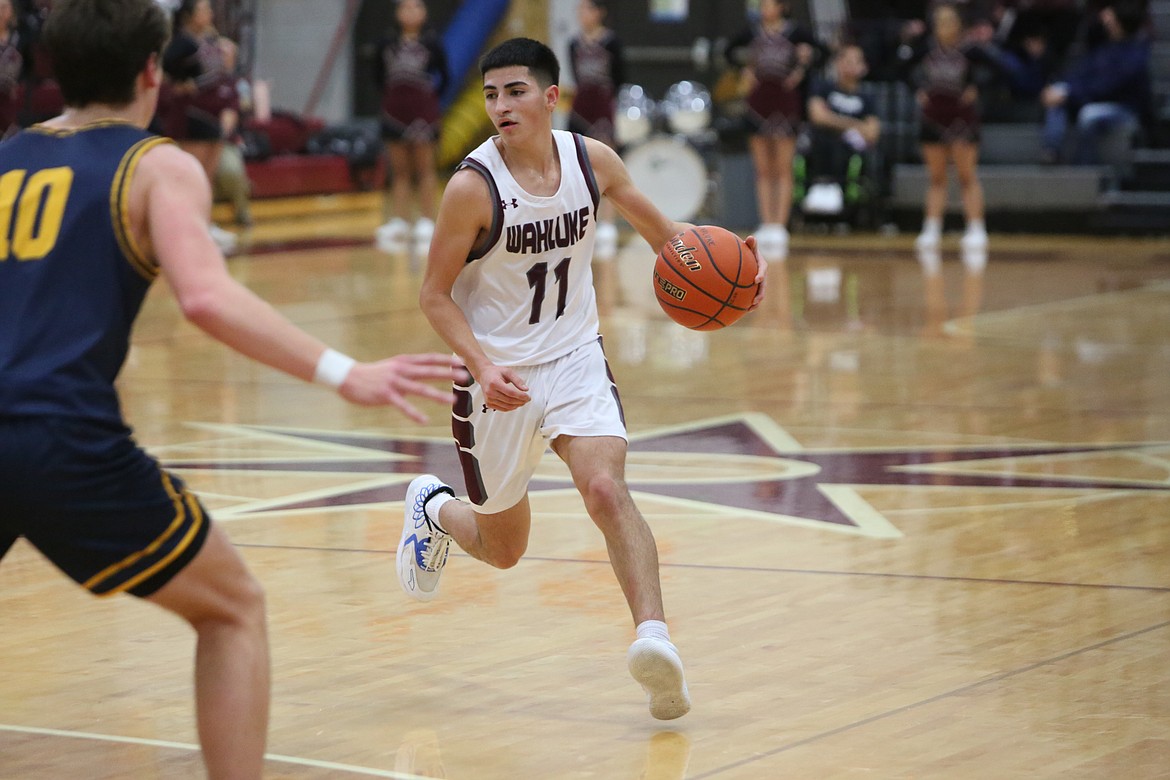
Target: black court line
x,y
934,699
758,569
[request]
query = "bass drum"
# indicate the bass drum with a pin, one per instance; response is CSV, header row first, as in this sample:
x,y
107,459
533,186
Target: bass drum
x,y
671,173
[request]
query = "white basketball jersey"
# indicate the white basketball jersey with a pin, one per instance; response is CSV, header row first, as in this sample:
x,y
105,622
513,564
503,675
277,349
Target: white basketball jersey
x,y
529,295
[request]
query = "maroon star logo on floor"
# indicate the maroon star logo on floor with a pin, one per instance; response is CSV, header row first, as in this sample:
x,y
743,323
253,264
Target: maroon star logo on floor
x,y
743,463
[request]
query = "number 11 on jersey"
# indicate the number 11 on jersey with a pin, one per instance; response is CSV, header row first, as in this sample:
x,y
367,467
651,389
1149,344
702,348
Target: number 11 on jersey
x,y
537,279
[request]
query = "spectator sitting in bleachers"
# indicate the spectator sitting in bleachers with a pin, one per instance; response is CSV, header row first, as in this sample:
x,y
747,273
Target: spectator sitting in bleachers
x,y
885,29
845,128
1026,65
1106,92
1014,71
1055,21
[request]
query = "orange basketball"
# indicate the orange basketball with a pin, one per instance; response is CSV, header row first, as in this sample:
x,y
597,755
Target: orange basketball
x,y
705,278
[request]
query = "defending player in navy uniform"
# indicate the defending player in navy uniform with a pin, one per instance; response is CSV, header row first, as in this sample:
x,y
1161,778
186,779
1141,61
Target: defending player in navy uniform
x,y
508,287
94,208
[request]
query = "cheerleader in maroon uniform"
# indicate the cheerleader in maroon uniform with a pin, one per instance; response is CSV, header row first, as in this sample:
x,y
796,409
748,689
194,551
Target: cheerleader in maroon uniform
x,y
949,129
777,55
598,67
198,100
201,92
411,69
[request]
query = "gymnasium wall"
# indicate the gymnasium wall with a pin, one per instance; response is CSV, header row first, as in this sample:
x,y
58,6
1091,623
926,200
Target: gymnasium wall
x,y
292,40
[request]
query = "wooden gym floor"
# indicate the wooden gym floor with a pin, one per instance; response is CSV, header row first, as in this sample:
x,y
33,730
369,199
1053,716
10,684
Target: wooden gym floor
x,y
909,527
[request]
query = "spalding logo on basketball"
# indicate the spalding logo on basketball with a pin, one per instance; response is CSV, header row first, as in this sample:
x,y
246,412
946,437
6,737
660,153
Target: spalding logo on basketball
x,y
705,278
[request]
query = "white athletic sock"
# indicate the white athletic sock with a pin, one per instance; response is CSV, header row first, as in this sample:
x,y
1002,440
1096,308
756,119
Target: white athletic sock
x,y
434,505
976,226
932,226
653,629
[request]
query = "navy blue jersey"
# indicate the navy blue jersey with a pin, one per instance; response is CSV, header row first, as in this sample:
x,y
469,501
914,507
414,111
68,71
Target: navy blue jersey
x,y
72,277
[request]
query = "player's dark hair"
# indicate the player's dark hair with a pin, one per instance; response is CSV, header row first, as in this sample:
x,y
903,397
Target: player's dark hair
x,y
527,53
98,47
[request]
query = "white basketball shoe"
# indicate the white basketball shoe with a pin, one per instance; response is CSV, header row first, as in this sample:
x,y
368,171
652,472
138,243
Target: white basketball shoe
x,y
655,664
422,551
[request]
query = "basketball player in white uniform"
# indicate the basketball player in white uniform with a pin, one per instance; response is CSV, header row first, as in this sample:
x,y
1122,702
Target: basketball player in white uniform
x,y
508,287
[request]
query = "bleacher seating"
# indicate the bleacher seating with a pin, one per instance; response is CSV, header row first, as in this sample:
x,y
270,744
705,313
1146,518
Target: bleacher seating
x,y
1014,181
1012,187
1010,144
1130,191
1013,178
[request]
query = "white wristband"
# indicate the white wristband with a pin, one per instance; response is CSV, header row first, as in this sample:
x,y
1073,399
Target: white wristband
x,y
332,368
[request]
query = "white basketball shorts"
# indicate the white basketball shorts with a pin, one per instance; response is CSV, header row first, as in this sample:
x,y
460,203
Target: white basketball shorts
x,y
574,395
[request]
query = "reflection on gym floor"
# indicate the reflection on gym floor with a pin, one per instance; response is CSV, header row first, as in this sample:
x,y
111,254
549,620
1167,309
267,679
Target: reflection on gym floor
x,y
816,290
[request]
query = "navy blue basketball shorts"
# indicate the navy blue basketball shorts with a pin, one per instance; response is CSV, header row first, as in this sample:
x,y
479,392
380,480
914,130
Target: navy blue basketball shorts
x,y
96,505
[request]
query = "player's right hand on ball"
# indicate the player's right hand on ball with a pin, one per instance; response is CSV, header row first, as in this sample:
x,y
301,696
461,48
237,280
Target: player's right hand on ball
x,y
503,389
761,273
388,382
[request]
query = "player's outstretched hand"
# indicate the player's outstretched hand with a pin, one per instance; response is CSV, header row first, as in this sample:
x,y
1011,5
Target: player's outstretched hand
x,y
388,382
761,273
503,389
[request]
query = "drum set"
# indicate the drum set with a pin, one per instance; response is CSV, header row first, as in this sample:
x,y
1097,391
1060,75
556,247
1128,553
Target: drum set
x,y
664,145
